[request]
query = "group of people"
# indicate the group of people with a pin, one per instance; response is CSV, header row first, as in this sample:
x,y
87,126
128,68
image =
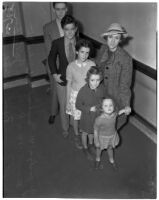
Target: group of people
x,y
93,95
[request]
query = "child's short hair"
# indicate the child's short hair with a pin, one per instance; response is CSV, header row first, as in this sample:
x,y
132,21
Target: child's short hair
x,y
83,43
68,19
94,70
113,101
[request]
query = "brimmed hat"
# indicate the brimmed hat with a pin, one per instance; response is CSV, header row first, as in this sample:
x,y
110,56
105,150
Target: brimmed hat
x,y
115,28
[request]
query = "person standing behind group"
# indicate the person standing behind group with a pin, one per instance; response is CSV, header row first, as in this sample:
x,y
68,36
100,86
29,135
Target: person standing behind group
x,y
88,99
64,48
116,65
76,75
105,133
52,31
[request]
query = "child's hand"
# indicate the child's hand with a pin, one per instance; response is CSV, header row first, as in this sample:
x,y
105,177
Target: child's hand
x,y
93,109
127,110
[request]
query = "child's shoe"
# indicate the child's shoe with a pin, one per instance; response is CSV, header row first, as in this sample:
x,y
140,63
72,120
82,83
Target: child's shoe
x,y
92,149
98,165
112,162
78,143
88,155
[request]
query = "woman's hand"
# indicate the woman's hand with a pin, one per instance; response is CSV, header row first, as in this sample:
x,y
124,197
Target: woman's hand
x,y
127,110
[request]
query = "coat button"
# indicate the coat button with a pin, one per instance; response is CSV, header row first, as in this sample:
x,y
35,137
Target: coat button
x,y
107,67
106,77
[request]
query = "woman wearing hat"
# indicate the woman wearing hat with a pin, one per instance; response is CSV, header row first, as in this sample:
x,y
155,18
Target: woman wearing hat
x,y
116,65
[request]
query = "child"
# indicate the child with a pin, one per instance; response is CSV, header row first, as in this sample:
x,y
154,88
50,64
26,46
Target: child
x,y
88,98
76,75
105,133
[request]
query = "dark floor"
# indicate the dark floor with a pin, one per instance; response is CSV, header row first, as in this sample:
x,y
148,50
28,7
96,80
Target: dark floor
x,y
39,162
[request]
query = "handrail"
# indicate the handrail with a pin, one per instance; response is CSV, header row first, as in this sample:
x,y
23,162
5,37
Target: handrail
x,y
145,69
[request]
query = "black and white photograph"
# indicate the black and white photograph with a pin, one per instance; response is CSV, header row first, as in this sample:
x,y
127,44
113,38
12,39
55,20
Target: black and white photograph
x,y
79,99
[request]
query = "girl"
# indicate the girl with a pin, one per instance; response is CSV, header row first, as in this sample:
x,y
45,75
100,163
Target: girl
x,y
105,133
88,99
76,75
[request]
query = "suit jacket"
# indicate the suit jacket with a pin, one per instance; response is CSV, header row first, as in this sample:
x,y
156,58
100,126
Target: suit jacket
x,y
58,49
51,32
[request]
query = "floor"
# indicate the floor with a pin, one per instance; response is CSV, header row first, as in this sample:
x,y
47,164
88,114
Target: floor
x,y
39,162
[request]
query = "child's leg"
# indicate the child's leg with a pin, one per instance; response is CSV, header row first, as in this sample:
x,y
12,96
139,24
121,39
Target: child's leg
x,y
84,140
77,136
75,127
98,157
110,154
90,138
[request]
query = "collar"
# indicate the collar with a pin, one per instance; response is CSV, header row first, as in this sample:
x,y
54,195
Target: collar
x,y
83,64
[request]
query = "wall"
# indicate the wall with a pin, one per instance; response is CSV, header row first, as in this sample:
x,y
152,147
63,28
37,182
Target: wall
x,y
139,19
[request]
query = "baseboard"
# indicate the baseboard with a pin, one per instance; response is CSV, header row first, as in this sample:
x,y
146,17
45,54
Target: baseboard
x,y
143,128
15,83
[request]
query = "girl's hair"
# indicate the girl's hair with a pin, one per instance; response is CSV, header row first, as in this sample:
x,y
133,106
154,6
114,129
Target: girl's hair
x,y
94,70
83,43
68,19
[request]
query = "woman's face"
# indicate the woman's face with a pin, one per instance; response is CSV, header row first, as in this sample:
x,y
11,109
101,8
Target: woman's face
x,y
83,53
94,81
113,41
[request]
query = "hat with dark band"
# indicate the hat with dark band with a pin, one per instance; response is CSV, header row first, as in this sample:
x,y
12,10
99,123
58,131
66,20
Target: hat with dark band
x,y
115,28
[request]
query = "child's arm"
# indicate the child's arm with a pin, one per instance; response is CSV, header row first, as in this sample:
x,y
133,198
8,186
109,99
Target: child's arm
x,y
81,101
96,138
126,111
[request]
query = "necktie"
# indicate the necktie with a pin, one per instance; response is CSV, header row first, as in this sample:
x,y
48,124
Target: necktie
x,y
71,55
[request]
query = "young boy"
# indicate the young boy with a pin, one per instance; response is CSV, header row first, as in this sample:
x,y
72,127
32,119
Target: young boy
x,y
63,47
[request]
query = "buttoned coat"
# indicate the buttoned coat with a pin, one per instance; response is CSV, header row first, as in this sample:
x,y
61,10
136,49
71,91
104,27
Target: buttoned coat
x,y
117,74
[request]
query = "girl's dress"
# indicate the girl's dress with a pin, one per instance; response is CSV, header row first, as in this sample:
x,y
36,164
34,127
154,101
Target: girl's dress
x,y
107,133
86,99
76,73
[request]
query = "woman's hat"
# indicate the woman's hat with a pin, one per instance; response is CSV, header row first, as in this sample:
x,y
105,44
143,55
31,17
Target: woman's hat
x,y
115,28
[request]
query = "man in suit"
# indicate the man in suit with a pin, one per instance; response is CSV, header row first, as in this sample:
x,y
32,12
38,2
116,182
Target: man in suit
x,y
63,47
52,31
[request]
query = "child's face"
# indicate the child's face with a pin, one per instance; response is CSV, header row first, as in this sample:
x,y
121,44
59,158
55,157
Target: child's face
x,y
83,53
69,31
108,106
94,81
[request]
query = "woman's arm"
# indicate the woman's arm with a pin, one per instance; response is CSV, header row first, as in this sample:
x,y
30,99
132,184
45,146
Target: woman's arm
x,y
125,81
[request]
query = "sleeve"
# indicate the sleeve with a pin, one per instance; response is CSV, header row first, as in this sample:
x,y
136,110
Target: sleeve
x,y
81,101
69,73
53,57
47,39
125,81
96,124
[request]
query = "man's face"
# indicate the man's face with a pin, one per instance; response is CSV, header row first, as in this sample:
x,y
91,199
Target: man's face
x,y
69,31
60,10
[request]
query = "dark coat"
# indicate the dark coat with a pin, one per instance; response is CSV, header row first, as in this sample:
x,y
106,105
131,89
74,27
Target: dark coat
x,y
87,98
